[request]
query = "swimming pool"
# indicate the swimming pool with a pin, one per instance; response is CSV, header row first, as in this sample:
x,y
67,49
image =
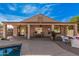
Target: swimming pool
x,y
10,51
10,48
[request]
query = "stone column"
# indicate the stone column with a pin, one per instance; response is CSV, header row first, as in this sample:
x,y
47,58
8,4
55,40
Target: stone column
x,y
25,32
75,29
52,27
61,29
28,34
4,31
67,30
15,31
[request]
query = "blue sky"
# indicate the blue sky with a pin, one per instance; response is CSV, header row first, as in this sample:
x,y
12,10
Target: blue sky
x,y
19,11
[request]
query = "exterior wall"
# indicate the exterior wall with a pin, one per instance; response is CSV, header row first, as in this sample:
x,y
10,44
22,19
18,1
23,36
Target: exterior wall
x,y
45,29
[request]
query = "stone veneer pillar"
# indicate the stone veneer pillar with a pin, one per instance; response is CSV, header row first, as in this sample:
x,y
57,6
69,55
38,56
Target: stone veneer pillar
x,y
52,29
4,31
28,34
15,31
75,29
25,29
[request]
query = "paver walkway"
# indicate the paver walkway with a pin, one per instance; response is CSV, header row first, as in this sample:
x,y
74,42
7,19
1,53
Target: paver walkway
x,y
42,47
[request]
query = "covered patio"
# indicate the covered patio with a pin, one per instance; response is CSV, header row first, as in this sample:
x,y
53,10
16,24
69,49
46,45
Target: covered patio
x,y
42,25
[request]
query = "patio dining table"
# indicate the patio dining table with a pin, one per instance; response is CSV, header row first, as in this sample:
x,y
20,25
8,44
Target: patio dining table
x,y
39,34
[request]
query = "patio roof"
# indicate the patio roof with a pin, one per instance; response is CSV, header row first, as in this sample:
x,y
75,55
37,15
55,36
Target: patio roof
x,y
39,18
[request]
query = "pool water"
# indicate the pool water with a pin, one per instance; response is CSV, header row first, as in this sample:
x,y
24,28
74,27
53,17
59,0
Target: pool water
x,y
10,51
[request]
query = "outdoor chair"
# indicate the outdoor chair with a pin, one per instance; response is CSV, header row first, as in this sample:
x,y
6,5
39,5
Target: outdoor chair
x,y
75,42
35,34
38,35
58,38
65,39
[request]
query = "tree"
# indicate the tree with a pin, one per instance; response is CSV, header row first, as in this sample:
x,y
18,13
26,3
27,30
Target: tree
x,y
75,19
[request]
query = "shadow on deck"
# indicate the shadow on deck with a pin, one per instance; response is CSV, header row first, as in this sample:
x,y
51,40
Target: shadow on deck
x,y
68,47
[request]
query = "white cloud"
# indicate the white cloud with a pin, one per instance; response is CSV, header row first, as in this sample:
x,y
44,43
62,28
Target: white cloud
x,y
47,8
14,18
10,18
12,7
53,16
29,9
49,5
66,19
3,18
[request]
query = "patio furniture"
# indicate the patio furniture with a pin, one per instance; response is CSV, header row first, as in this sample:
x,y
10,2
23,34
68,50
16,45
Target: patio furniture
x,y
38,34
58,37
65,39
75,42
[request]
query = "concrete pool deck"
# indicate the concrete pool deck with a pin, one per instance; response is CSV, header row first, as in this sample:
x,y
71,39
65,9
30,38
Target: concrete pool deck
x,y
4,44
42,47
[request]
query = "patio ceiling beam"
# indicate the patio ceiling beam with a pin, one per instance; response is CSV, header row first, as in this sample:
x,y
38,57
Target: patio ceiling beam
x,y
25,23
